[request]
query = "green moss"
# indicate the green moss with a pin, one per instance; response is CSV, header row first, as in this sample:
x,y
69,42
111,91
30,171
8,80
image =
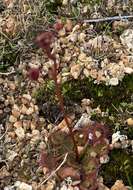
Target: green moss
x,y
103,95
45,93
119,167
52,6
76,90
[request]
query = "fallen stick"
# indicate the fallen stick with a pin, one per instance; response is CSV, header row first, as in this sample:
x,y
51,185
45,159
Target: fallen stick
x,y
54,172
108,19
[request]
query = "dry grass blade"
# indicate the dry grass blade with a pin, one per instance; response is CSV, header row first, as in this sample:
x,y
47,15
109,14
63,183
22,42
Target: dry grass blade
x,y
54,172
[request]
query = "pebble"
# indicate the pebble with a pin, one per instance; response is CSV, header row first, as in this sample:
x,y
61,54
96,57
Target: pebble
x,y
22,186
18,124
27,96
35,137
15,113
29,111
12,119
114,81
118,137
65,2
128,70
86,72
33,125
23,110
12,86
130,121
104,159
119,186
20,133
75,71
98,134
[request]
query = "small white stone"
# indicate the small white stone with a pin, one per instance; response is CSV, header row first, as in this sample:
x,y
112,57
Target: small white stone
x,y
118,137
75,71
15,113
86,72
29,111
20,133
18,124
64,2
98,134
22,186
104,159
23,109
12,119
35,137
128,70
27,96
93,154
114,81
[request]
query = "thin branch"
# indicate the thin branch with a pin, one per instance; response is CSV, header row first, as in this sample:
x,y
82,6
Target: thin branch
x,y
54,172
108,19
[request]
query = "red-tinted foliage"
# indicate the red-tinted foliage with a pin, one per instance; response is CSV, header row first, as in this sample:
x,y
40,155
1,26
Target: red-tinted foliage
x,y
34,73
44,40
95,135
47,160
58,26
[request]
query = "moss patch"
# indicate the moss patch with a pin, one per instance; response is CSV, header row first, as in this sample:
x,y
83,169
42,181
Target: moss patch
x,y
103,95
119,167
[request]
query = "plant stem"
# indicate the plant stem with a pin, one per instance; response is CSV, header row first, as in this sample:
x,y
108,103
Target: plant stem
x,y
61,102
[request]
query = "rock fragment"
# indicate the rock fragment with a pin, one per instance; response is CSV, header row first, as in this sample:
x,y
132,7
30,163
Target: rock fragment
x,y
20,133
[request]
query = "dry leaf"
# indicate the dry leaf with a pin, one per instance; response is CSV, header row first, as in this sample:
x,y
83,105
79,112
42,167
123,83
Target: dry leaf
x,y
69,172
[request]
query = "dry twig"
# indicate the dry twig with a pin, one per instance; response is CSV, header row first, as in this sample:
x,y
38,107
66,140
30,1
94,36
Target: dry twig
x,y
54,172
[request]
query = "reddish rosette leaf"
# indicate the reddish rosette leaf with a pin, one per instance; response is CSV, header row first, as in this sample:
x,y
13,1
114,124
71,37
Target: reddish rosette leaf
x,y
47,160
44,40
65,172
58,26
34,73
